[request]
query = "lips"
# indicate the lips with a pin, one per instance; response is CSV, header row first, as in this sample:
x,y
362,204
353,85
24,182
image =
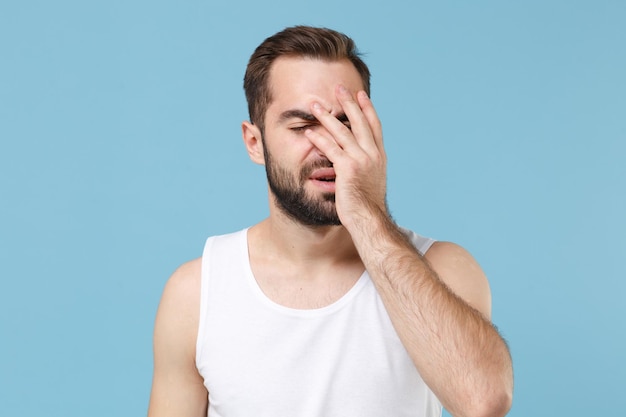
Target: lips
x,y
323,174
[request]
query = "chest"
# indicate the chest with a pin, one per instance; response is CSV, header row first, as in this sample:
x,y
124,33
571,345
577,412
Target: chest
x,y
260,361
305,289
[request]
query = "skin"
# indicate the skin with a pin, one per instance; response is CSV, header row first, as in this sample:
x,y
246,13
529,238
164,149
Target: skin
x,y
439,304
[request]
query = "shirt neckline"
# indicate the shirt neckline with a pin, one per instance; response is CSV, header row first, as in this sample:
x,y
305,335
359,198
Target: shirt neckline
x,y
302,313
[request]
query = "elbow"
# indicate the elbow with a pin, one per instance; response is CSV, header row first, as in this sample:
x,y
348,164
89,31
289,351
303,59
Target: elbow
x,y
496,397
497,404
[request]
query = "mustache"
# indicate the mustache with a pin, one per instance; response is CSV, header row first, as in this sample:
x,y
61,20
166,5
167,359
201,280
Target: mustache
x,y
313,165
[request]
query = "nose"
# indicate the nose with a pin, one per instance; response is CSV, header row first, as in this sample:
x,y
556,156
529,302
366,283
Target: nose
x,y
316,153
319,155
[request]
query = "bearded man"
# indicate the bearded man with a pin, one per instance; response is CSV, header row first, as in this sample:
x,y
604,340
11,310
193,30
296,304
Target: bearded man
x,y
327,308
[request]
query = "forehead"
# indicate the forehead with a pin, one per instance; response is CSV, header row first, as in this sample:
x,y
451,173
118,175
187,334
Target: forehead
x,y
296,82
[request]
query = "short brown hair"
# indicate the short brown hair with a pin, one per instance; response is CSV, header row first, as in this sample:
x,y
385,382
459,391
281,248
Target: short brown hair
x,y
297,41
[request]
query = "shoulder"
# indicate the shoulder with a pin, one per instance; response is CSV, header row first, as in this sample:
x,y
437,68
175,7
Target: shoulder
x,y
179,309
184,284
458,269
177,387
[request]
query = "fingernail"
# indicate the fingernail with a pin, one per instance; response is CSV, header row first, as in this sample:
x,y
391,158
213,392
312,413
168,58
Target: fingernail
x,y
342,89
317,107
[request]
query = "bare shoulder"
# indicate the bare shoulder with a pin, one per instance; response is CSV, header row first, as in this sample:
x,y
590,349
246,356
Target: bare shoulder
x,y
185,281
177,387
182,292
179,309
458,269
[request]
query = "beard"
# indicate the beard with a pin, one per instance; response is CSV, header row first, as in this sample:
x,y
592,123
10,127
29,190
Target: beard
x,y
291,196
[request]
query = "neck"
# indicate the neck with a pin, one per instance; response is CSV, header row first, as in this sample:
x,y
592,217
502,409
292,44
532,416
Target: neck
x,y
302,266
280,236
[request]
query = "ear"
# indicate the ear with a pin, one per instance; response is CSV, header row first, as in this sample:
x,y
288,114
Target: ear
x,y
253,140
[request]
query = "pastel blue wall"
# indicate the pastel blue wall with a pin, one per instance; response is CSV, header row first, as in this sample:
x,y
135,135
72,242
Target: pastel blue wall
x,y
120,151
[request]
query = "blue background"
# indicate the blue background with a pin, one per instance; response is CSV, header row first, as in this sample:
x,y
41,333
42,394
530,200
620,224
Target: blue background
x,y
120,152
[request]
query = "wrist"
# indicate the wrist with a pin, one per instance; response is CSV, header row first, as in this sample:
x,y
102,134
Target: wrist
x,y
376,237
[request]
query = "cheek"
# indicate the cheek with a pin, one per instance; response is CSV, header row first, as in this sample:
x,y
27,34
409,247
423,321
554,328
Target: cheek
x,y
292,149
298,151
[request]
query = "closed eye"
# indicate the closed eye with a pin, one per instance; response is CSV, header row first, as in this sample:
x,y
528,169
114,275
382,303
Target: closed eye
x,y
301,128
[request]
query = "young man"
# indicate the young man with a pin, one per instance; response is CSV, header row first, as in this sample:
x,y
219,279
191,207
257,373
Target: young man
x,y
327,307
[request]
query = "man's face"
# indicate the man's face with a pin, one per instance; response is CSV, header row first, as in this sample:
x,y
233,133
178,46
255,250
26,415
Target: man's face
x,y
300,177
291,196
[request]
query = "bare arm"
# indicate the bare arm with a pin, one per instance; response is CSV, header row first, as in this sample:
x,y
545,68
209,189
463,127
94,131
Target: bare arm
x,y
441,313
442,319
177,388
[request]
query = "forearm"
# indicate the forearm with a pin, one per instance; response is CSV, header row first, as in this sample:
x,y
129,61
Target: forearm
x,y
457,351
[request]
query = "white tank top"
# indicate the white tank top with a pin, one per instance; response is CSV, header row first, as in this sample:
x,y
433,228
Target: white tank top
x,y
261,359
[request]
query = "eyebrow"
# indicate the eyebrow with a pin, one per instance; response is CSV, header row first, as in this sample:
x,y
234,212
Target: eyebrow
x,y
296,114
300,114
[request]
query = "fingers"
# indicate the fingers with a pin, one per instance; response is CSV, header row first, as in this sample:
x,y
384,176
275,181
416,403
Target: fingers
x,y
336,129
372,119
364,133
328,146
359,123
